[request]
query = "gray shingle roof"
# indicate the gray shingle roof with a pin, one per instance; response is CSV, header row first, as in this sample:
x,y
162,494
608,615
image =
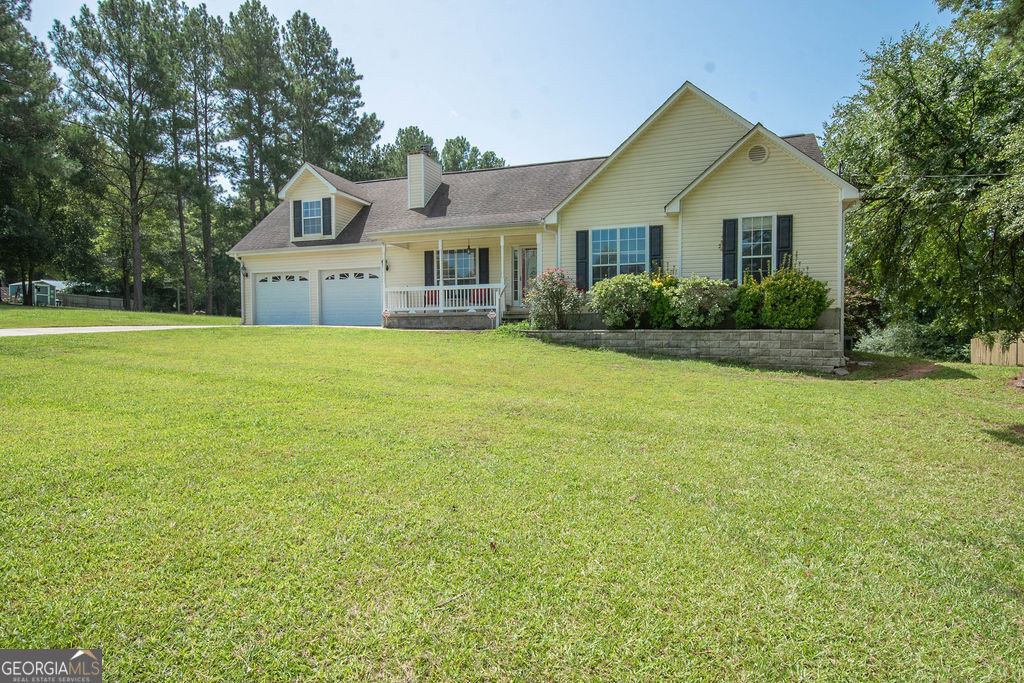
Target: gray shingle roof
x,y
468,199
343,184
808,144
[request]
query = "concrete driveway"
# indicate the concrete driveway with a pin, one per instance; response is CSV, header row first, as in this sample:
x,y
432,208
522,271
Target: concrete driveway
x,y
33,331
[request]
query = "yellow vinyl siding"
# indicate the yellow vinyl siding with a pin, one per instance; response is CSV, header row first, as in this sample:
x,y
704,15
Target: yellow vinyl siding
x,y
781,185
431,177
344,211
308,186
309,263
634,188
414,171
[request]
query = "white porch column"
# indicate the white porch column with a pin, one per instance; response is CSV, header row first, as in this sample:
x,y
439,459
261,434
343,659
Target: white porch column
x,y
437,275
501,239
540,250
383,275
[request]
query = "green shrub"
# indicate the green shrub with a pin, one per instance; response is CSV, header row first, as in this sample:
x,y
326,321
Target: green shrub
x,y
793,300
700,302
662,314
624,300
552,296
746,313
909,338
515,329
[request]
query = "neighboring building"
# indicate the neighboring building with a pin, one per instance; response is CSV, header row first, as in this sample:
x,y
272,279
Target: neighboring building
x,y
696,189
45,291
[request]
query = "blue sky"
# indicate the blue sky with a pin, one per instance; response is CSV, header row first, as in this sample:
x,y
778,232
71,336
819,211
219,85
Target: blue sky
x,y
541,81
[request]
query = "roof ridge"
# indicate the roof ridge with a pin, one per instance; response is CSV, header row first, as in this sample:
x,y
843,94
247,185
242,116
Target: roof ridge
x,y
535,163
495,168
797,135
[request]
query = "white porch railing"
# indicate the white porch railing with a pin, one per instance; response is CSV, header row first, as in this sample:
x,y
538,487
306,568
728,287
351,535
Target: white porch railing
x,y
441,299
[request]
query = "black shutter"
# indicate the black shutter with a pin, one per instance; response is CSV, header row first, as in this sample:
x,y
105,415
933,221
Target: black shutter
x,y
784,247
325,207
730,228
297,218
428,269
582,259
484,267
657,255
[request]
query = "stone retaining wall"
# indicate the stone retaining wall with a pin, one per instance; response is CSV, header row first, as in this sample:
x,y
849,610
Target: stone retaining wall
x,y
818,350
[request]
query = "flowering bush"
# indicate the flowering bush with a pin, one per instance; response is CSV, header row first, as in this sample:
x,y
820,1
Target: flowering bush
x,y
662,315
793,300
552,296
700,302
624,300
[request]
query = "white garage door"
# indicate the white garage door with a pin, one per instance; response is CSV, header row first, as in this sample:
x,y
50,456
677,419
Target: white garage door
x,y
350,297
282,299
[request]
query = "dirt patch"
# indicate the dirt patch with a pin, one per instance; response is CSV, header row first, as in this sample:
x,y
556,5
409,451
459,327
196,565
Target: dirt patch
x,y
1016,382
914,371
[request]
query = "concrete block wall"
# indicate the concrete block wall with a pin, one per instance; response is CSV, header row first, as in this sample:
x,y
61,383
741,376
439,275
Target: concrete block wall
x,y
817,350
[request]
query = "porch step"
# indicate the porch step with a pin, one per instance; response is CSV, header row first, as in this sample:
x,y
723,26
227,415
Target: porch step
x,y
515,315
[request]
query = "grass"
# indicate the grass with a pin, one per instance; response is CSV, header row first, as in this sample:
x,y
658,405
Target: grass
x,y
12,315
263,503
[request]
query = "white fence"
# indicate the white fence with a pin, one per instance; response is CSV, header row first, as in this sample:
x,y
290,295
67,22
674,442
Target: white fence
x,y
439,299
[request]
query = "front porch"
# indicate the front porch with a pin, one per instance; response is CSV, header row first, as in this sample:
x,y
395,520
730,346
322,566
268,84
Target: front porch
x,y
461,281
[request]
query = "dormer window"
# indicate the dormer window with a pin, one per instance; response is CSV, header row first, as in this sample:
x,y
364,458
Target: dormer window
x,y
312,217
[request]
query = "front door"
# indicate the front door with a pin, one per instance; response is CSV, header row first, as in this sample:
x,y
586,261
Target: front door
x,y
525,268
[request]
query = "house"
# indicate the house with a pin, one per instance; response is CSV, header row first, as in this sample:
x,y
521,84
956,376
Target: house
x,y
695,189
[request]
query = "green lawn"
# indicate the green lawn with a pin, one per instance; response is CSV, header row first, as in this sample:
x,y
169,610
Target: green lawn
x,y
245,503
39,316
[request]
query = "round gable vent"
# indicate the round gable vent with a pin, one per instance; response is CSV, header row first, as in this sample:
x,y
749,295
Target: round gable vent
x,y
757,153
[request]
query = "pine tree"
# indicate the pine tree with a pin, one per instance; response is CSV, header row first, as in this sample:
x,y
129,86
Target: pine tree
x,y
254,81
115,80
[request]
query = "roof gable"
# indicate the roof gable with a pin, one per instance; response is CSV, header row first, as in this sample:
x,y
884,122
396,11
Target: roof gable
x,y
848,190
686,88
334,183
510,195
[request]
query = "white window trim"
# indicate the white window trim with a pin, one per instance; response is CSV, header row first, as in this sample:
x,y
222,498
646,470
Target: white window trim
x,y
590,246
739,239
320,202
439,271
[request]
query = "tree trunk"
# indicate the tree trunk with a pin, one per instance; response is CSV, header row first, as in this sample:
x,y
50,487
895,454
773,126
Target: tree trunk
x,y
136,225
125,260
24,285
178,182
28,298
184,255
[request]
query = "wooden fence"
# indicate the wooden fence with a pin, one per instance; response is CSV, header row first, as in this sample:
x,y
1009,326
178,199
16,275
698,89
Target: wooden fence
x,y
86,301
983,353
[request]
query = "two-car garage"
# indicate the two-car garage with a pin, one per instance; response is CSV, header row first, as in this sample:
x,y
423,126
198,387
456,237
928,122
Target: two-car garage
x,y
343,297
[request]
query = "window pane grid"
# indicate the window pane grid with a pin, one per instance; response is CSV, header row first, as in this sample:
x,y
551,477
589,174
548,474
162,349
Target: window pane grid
x,y
458,267
756,245
614,251
311,217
